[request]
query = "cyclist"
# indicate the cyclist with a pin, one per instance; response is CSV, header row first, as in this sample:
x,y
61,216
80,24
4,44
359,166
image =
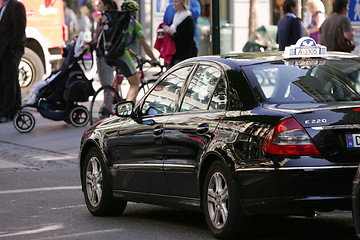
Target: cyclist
x,y
126,64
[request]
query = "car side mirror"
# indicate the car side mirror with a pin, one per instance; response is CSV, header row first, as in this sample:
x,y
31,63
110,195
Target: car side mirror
x,y
124,109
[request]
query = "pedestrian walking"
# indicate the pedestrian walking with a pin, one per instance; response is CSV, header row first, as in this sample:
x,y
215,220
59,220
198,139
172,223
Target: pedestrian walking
x,y
105,72
290,27
182,30
95,15
84,22
70,21
195,9
337,29
317,18
12,45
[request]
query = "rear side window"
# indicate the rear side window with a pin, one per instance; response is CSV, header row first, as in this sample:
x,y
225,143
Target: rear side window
x,y
219,99
201,87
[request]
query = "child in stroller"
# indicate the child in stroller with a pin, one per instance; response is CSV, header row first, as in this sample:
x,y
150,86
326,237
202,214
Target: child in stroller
x,y
57,96
32,98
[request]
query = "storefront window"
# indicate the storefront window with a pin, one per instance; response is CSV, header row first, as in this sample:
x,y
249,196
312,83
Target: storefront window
x,y
205,29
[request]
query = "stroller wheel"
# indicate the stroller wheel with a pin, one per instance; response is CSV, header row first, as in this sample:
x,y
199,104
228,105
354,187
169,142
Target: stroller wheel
x,y
24,122
79,116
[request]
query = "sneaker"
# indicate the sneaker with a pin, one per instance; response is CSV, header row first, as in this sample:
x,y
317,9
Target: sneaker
x,y
31,99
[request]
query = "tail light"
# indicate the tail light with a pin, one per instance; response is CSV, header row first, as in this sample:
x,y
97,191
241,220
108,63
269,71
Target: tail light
x,y
289,138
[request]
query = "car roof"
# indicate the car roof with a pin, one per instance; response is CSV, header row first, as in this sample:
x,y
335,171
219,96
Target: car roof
x,y
304,49
235,60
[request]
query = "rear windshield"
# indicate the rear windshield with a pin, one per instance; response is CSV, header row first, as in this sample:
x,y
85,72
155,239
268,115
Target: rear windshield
x,y
291,82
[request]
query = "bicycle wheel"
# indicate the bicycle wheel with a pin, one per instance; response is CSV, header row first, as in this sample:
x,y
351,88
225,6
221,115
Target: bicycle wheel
x,y
102,104
144,88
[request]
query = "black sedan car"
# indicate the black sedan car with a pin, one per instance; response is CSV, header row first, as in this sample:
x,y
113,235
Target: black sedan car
x,y
233,136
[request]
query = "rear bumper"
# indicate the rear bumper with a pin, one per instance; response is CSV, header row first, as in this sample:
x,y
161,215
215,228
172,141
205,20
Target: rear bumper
x,y
356,205
295,189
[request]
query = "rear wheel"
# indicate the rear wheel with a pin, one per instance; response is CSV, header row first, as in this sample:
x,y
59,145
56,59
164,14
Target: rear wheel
x,y
97,187
79,116
102,103
24,122
221,203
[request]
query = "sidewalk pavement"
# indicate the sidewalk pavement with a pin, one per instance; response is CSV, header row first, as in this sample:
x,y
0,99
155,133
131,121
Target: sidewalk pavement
x,y
50,144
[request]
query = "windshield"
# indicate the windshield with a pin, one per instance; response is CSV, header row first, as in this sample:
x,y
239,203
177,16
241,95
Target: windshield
x,y
293,82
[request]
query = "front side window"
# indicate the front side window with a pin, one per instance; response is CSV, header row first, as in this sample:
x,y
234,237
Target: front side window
x,y
200,89
163,97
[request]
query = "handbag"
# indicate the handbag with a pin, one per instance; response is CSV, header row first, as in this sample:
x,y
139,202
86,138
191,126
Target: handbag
x,y
345,44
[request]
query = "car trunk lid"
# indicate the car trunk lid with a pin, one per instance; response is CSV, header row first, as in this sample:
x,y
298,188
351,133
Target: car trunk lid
x,y
333,127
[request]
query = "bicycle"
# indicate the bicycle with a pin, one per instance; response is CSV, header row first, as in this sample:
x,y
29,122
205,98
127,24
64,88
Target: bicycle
x,y
106,97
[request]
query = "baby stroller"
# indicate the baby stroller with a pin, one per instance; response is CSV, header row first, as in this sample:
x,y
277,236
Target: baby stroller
x,y
58,100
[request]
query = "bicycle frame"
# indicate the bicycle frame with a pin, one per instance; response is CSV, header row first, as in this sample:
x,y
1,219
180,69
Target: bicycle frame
x,y
102,108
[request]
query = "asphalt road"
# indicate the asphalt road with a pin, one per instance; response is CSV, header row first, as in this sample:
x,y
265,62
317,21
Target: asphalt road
x,y
41,198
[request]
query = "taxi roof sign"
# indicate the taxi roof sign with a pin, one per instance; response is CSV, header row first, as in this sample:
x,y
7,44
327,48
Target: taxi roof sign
x,y
305,47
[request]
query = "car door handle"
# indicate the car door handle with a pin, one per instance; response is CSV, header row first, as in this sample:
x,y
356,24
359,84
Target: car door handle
x,y
202,128
149,122
158,131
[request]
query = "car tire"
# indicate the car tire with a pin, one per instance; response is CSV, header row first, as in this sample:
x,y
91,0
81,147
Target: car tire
x,y
221,203
97,187
31,70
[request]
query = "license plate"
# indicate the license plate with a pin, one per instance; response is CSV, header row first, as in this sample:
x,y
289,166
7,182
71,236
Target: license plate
x,y
307,51
352,140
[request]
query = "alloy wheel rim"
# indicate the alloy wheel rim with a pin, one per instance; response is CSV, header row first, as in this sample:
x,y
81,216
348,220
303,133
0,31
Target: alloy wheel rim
x,y
217,200
94,180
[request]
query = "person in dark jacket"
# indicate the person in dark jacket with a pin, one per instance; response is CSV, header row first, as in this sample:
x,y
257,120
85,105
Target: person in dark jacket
x,y
290,26
195,9
182,31
12,45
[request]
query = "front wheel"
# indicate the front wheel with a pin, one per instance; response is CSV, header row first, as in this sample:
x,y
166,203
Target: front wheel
x,y
24,122
221,203
97,188
102,103
79,116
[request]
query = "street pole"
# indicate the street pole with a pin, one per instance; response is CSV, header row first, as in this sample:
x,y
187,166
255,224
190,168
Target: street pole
x,y
215,26
252,16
